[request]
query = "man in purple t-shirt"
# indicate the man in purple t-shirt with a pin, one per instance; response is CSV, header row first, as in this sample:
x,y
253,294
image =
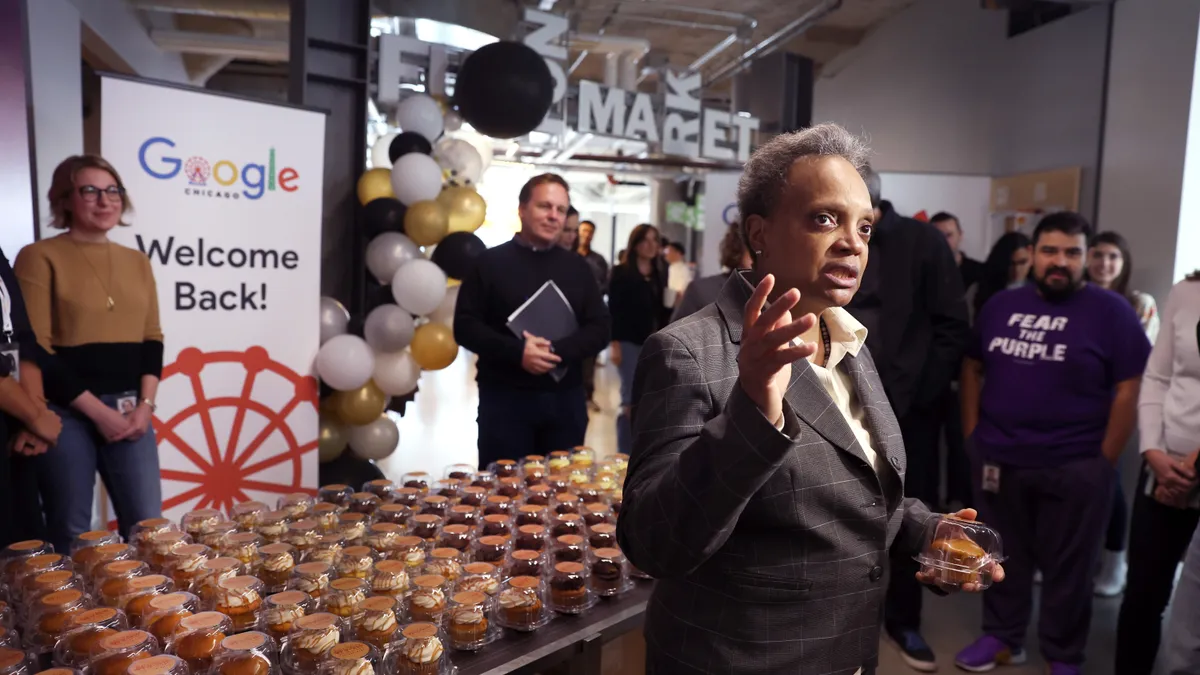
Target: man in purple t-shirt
x,y
1049,396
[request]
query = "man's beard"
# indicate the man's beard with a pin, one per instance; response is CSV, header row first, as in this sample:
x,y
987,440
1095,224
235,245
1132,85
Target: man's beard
x,y
1057,293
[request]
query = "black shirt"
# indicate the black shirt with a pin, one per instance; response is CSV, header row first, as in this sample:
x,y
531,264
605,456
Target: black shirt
x,y
636,303
504,278
971,270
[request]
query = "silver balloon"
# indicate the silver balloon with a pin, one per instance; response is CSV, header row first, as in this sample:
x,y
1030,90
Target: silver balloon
x,y
388,329
380,159
345,363
460,161
444,313
419,286
334,318
396,373
375,440
387,253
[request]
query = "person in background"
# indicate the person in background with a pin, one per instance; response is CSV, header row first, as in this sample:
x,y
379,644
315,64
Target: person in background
x,y
1007,266
1050,391
911,303
599,267
569,237
27,425
1109,265
94,305
523,407
635,300
679,274
1166,508
948,225
704,291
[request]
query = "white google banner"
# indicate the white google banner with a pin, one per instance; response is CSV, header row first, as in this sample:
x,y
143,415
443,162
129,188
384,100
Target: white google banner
x,y
227,198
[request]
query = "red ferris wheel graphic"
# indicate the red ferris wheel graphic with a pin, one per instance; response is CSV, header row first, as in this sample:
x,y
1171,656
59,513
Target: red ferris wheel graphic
x,y
222,469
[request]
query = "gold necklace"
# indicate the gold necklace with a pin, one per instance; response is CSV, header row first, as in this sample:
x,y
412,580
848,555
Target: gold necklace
x,y
104,286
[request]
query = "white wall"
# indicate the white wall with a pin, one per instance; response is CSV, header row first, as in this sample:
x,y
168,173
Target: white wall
x,y
967,197
940,88
1149,105
57,91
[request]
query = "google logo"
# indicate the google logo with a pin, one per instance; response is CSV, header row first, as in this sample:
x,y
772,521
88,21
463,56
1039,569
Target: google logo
x,y
256,178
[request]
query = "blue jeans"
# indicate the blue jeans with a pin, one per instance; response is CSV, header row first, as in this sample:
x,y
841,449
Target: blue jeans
x,y
515,422
1181,646
66,477
629,358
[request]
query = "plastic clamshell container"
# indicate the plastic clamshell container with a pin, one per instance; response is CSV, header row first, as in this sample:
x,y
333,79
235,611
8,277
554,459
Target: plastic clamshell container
x,y
957,552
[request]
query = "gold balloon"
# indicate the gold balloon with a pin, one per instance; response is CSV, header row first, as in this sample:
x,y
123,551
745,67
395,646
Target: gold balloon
x,y
360,406
426,223
443,102
331,440
466,208
373,184
433,346
451,283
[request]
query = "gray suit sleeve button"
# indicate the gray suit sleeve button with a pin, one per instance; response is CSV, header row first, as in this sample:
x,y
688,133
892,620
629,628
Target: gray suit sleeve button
x,y
876,573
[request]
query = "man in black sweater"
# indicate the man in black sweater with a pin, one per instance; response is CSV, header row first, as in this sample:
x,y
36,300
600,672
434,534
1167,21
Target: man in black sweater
x,y
911,302
523,410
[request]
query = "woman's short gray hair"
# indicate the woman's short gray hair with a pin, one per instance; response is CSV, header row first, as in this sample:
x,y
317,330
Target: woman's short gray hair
x,y
766,172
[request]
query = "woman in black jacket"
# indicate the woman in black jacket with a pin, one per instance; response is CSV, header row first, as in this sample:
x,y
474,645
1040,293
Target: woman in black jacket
x,y
27,426
635,301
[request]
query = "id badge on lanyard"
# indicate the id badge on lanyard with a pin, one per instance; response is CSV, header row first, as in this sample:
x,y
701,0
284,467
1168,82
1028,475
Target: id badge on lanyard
x,y
10,354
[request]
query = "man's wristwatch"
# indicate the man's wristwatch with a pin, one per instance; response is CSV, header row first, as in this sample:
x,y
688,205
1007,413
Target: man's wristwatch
x,y
149,404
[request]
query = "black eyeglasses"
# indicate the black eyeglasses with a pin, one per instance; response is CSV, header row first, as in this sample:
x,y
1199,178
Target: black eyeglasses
x,y
91,193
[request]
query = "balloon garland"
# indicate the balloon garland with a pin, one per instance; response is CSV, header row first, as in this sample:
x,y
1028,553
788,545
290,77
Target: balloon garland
x,y
419,192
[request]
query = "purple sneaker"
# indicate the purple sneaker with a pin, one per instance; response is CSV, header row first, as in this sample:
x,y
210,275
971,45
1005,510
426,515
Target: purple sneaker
x,y
988,652
1064,668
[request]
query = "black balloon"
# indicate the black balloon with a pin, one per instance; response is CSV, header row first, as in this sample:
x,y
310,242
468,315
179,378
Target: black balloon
x,y
504,89
383,214
406,142
377,294
457,253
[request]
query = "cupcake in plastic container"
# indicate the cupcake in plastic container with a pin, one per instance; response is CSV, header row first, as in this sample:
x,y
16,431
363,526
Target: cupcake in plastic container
x,y
284,609
470,621
352,658
136,602
111,581
243,546
303,535
165,613
462,472
357,562
144,530
91,539
423,651
344,596
567,523
959,553
558,461
531,514
417,479
15,662
426,526
214,571
445,562
200,522
383,537
328,549
277,562
473,495
380,487
569,548
436,505
457,536
312,578
496,525
521,604
185,564
365,503
410,550
51,615
273,525
377,623
498,505
570,588
531,538
427,601
310,642
522,563
114,654
539,495
240,599
253,653
397,514
298,505
490,550
84,634
353,528
609,572
512,487
248,515
199,639
390,579
479,577
450,488
603,535
163,664
408,496
337,493
597,513
326,516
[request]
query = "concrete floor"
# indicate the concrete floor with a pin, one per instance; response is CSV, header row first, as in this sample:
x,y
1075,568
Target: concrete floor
x,y
439,429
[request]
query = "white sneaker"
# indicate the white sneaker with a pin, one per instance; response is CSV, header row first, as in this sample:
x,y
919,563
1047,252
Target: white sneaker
x,y
1037,576
1110,579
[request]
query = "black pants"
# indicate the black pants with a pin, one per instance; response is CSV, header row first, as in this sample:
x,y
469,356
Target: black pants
x,y
1158,538
902,604
1118,519
589,378
515,422
958,465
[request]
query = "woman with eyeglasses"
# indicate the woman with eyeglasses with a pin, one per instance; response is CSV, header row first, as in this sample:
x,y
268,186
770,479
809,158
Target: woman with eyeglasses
x,y
94,305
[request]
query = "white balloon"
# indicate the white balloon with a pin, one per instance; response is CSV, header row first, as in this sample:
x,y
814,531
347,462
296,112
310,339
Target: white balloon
x,y
388,329
396,373
422,114
345,362
482,143
416,177
444,313
388,252
334,319
375,440
460,160
380,159
419,287
452,121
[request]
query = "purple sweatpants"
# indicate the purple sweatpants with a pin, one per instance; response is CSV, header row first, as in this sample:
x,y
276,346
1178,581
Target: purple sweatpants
x,y
1052,519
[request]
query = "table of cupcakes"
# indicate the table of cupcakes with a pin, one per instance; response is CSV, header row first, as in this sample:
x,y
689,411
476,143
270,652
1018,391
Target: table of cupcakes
x,y
389,580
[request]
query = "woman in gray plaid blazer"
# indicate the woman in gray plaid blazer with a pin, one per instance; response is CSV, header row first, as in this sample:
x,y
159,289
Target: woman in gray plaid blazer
x,y
764,490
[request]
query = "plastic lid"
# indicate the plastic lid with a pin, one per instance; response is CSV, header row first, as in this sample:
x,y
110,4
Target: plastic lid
x,y
531,529
316,567
379,603
604,528
389,566
43,560
380,482
155,665
238,583
429,580
408,541
526,555
10,657
386,528
479,568
251,640
357,551
436,499
221,564
364,495
95,535
444,553
52,578
122,566
288,598
493,541
351,517
305,524
570,540
62,598
348,584
469,598
318,621
457,529
350,651
426,518
242,538
420,631
607,552
95,616
202,620
125,639
532,508
335,487
27,545
275,549
524,582
495,518
569,567
569,517
499,499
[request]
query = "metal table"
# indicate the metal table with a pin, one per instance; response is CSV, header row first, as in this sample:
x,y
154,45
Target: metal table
x,y
572,642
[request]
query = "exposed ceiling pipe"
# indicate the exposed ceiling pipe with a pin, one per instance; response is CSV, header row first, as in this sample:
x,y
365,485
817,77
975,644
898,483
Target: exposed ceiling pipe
x,y
712,53
607,44
260,10
236,46
778,39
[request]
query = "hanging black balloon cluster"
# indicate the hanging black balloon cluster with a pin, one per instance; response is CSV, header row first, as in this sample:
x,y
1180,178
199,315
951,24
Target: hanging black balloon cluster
x,y
504,89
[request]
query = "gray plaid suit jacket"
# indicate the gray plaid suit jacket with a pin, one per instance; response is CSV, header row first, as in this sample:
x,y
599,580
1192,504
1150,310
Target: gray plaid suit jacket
x,y
770,548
